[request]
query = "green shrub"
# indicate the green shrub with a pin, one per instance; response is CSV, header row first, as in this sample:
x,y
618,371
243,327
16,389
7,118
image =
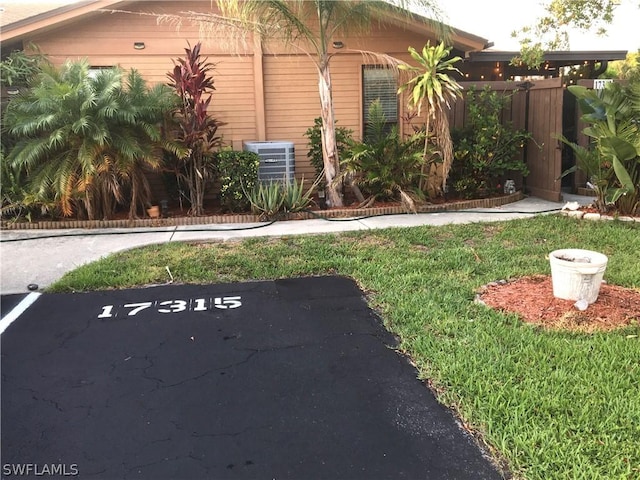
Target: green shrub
x,y
486,148
314,134
17,202
238,172
17,68
386,165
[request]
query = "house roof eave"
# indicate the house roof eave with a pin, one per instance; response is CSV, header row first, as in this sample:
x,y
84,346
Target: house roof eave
x,y
557,56
460,40
53,18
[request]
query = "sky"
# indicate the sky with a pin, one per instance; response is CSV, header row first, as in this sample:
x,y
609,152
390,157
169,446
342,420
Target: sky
x,y
496,19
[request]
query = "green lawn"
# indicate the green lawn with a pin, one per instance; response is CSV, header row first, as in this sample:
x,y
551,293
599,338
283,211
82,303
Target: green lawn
x,y
556,405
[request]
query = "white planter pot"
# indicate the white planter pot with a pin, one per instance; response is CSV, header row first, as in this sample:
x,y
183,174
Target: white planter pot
x,y
577,274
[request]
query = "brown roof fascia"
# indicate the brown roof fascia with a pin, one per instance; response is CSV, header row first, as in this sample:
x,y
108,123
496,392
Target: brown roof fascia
x,y
460,39
53,18
556,56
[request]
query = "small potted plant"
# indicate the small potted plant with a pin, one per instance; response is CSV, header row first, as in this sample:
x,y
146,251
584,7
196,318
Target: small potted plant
x,y
153,211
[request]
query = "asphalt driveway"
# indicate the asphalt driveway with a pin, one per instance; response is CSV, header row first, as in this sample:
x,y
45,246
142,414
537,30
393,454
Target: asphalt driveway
x,y
286,379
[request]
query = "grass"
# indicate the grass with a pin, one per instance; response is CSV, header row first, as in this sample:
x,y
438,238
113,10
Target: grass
x,y
555,405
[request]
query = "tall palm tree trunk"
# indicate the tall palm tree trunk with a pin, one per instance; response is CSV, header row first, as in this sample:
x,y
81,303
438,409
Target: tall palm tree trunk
x,y
134,203
445,146
425,154
329,147
435,174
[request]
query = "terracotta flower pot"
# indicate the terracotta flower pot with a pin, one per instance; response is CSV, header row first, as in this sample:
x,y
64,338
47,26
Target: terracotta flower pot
x,y
154,211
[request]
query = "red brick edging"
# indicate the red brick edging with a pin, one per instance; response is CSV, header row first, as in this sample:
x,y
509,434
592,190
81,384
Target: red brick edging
x,y
249,218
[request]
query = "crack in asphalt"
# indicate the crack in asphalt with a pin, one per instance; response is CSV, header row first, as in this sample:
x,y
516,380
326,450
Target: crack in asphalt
x,y
63,342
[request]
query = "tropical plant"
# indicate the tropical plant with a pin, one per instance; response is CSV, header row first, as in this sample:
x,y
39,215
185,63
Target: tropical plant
x,y
196,128
598,175
612,115
386,165
238,172
87,141
311,27
270,199
433,85
16,202
18,68
266,199
294,196
486,148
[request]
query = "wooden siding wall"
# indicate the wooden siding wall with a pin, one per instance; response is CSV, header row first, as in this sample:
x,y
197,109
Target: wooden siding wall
x,y
272,96
108,40
291,100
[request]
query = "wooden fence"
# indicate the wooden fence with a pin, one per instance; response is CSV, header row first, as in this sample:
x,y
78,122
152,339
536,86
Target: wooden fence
x,y
536,107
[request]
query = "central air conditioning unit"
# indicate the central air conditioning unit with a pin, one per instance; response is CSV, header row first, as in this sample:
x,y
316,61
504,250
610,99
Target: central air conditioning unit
x,y
277,160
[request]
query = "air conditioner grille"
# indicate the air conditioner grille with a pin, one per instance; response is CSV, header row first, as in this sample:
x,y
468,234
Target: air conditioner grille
x,y
277,160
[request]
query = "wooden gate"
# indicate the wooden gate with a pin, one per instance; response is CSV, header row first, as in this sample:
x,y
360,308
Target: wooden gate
x,y
536,107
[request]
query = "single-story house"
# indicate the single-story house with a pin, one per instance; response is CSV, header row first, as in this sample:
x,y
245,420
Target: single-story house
x,y
265,92
268,92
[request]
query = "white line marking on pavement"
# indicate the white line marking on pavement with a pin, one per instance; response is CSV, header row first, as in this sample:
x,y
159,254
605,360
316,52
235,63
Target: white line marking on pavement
x,y
18,310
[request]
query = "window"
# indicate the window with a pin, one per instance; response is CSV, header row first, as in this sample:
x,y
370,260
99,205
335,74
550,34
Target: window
x,y
379,82
94,71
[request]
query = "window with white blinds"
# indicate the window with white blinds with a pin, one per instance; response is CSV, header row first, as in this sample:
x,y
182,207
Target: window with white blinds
x,y
380,82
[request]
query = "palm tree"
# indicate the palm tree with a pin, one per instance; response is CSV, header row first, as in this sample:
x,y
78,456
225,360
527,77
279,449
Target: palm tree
x,y
86,139
311,27
432,84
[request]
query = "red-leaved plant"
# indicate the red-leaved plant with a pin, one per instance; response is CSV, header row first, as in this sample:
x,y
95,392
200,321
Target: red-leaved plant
x,y
196,129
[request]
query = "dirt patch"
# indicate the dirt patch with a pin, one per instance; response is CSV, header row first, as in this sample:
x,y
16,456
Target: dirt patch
x,y
532,299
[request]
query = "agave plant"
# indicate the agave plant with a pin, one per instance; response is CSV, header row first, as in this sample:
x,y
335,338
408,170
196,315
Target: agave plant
x,y
295,197
266,199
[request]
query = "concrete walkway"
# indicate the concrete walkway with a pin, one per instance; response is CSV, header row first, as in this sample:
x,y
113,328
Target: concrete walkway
x,y
40,257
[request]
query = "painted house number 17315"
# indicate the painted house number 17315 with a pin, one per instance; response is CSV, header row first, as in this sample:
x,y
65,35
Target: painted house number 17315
x,y
171,306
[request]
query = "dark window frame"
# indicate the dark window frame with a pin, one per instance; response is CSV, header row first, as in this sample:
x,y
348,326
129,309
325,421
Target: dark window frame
x,y
374,86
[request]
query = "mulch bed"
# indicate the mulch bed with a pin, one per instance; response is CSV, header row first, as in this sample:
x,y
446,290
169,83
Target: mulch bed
x,y
532,299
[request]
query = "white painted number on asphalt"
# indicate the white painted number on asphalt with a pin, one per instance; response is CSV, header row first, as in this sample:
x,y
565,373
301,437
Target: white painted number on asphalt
x,y
171,306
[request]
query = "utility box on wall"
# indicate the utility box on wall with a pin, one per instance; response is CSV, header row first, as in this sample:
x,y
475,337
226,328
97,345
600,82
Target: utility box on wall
x,y
277,160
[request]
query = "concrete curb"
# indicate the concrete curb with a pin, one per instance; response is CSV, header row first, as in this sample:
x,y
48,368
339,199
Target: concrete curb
x,y
249,218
